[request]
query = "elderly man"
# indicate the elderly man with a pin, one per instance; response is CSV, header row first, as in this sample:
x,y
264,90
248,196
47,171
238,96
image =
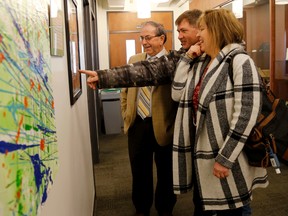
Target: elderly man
x,y
149,114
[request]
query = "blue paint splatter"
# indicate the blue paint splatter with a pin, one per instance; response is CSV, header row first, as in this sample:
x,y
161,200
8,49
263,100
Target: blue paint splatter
x,y
10,147
46,130
46,175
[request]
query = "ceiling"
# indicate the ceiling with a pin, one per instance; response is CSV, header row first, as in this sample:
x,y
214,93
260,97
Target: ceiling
x,y
116,3
120,4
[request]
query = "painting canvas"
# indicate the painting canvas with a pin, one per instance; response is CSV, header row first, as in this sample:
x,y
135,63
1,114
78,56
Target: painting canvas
x,y
28,142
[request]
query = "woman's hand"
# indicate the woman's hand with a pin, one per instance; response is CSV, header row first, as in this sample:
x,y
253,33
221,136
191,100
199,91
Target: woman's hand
x,y
194,51
92,78
220,171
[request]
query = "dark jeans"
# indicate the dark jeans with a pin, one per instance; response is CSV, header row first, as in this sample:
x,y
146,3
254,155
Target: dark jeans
x,y
143,147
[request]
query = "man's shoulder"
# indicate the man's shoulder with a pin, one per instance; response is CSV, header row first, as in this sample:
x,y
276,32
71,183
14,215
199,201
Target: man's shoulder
x,y
137,57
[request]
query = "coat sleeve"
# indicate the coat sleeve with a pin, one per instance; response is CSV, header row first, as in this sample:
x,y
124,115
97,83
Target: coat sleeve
x,y
180,77
245,111
158,71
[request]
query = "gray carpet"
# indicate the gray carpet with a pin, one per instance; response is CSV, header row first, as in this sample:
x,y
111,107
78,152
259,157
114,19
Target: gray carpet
x,y
113,186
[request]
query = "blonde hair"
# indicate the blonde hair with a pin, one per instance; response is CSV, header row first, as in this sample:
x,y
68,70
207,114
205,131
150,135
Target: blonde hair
x,y
223,26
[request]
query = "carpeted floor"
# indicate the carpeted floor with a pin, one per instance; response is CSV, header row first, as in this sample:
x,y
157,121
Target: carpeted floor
x,y
113,186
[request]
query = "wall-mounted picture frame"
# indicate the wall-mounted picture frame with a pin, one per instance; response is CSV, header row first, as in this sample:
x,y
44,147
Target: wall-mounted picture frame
x,y
56,28
72,44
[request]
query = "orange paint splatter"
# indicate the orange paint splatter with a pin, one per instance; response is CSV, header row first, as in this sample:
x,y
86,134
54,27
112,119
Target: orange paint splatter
x,y
46,100
32,84
18,194
39,87
3,165
2,57
9,172
13,156
19,129
52,104
42,144
4,114
26,102
1,39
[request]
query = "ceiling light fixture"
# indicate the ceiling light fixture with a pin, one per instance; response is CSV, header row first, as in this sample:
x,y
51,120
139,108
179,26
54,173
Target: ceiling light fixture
x,y
143,9
237,8
160,1
281,2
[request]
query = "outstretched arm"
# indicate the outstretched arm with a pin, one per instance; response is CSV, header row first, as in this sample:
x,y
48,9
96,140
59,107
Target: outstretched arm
x,y
92,78
159,71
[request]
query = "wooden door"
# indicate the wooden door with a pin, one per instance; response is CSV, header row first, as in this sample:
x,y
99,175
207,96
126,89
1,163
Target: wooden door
x,y
125,26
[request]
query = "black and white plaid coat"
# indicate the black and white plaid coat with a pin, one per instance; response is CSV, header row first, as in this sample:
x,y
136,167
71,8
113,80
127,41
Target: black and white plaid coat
x,y
225,116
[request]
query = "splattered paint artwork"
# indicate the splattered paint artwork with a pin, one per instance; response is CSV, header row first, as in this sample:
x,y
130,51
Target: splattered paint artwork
x,y
28,148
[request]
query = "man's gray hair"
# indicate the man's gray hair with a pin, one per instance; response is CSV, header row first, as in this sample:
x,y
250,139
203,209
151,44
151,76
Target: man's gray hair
x,y
160,30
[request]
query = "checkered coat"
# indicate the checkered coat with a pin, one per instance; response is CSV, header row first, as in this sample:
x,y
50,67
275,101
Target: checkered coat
x,y
225,116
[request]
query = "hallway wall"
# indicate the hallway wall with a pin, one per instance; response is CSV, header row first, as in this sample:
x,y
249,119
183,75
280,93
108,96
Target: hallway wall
x,y
73,191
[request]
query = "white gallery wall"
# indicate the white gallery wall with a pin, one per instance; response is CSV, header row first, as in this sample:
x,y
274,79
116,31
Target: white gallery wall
x,y
73,191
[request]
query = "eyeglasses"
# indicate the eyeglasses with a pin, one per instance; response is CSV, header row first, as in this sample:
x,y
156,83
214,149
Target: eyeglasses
x,y
148,37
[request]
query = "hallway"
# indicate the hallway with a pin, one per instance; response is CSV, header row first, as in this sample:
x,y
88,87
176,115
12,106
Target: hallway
x,y
113,185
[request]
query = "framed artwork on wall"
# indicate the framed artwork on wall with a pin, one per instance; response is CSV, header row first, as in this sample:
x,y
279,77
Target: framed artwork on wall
x,y
56,29
72,44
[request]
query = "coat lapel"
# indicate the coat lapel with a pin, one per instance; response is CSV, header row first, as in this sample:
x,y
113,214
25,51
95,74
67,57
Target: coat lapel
x,y
216,76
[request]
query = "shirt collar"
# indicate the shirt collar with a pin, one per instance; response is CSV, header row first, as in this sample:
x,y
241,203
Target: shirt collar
x,y
161,53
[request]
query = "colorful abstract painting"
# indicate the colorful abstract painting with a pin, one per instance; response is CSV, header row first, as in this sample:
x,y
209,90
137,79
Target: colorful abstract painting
x,y
28,148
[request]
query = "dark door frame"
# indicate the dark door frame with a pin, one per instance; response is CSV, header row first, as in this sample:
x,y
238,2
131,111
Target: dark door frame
x,y
92,63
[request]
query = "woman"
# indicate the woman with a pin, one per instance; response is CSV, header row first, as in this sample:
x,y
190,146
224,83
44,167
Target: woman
x,y
215,115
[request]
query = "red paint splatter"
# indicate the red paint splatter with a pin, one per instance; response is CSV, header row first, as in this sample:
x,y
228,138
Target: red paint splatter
x,y
42,144
2,57
18,194
26,102
32,84
19,129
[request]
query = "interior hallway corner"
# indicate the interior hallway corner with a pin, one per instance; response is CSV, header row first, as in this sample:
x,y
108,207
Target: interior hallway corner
x,y
113,185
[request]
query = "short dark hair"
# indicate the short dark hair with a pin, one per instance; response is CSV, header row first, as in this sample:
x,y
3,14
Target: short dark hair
x,y
160,30
190,15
